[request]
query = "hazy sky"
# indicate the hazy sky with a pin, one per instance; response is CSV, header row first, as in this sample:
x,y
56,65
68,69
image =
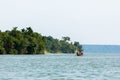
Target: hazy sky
x,y
86,21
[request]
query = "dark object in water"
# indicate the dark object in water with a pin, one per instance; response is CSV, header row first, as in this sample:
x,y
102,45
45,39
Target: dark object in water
x,y
79,54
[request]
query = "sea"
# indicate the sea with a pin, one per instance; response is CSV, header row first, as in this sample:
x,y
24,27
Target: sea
x,y
60,67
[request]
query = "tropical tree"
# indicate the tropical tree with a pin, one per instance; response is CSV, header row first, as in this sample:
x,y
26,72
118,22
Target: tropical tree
x,y
66,38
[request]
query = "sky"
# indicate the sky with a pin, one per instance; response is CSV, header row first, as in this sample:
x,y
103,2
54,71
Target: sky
x,y
86,21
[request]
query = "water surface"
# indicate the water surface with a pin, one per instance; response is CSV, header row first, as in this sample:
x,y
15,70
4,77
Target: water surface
x,y
60,67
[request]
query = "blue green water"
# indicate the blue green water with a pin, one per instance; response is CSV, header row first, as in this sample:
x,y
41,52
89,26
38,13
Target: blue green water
x,y
60,67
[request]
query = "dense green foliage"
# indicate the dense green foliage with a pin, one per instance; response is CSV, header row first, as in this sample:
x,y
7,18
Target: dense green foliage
x,y
21,42
61,46
25,41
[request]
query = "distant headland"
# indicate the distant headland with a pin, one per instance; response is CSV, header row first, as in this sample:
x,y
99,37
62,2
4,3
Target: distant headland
x,y
26,41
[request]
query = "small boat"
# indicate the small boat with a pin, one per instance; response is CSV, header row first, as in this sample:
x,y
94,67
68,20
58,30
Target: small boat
x,y
79,53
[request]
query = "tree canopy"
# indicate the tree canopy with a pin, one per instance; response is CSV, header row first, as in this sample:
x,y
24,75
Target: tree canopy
x,y
23,41
61,46
26,41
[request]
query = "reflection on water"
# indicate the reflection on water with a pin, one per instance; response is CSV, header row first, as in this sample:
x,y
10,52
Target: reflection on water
x,y
60,67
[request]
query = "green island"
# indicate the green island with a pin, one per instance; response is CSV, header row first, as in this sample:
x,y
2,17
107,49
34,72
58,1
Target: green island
x,y
26,41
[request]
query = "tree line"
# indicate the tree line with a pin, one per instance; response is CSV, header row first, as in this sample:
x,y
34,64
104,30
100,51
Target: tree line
x,y
61,46
26,41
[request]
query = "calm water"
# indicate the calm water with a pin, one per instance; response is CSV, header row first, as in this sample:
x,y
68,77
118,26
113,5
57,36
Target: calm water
x,y
60,67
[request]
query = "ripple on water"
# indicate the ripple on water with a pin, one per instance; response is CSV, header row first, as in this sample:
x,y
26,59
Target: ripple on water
x,y
59,67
